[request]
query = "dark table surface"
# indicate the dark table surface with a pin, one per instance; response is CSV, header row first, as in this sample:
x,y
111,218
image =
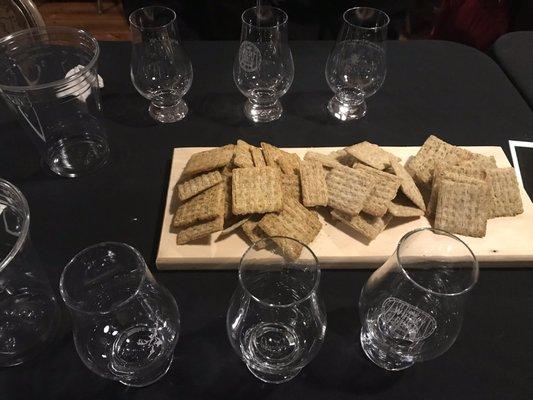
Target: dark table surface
x,y
514,53
431,87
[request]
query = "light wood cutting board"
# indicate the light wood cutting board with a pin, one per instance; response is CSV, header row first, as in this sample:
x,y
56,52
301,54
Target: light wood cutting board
x,y
507,239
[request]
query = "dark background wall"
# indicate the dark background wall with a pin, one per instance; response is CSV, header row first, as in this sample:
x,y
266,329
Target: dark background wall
x,y
308,19
474,22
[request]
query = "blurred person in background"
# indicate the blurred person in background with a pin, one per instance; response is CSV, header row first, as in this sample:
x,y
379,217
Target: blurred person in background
x,y
479,23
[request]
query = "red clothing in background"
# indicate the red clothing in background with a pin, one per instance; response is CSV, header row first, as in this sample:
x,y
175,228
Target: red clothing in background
x,y
476,23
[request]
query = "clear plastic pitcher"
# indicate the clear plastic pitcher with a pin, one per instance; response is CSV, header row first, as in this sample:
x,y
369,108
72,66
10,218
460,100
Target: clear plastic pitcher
x,y
49,78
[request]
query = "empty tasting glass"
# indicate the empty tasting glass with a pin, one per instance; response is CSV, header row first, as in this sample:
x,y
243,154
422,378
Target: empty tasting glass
x,y
276,321
411,308
29,313
49,80
125,324
161,70
356,66
263,69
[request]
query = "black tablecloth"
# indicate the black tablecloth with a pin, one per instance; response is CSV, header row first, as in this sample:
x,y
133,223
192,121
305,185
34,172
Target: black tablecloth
x,y
514,53
439,87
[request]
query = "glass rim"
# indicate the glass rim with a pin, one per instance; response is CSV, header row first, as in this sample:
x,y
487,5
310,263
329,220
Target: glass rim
x,y
53,29
277,9
312,290
375,28
68,299
475,263
25,226
139,10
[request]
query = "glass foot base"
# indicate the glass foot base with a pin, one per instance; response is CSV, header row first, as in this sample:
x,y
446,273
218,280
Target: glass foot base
x,y
168,114
348,106
263,112
383,358
273,378
77,156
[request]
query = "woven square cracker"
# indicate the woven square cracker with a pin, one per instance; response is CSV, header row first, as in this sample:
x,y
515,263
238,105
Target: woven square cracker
x,y
256,190
324,159
209,160
243,155
291,187
198,184
371,154
423,163
205,206
231,221
294,221
314,187
348,189
505,192
367,225
257,157
198,231
408,185
462,208
452,164
456,174
384,191
432,151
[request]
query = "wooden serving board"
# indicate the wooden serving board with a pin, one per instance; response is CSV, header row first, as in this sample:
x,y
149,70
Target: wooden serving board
x,y
507,239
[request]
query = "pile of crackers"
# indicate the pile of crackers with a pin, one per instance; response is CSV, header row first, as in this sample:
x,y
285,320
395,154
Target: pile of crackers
x,y
465,189
265,191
